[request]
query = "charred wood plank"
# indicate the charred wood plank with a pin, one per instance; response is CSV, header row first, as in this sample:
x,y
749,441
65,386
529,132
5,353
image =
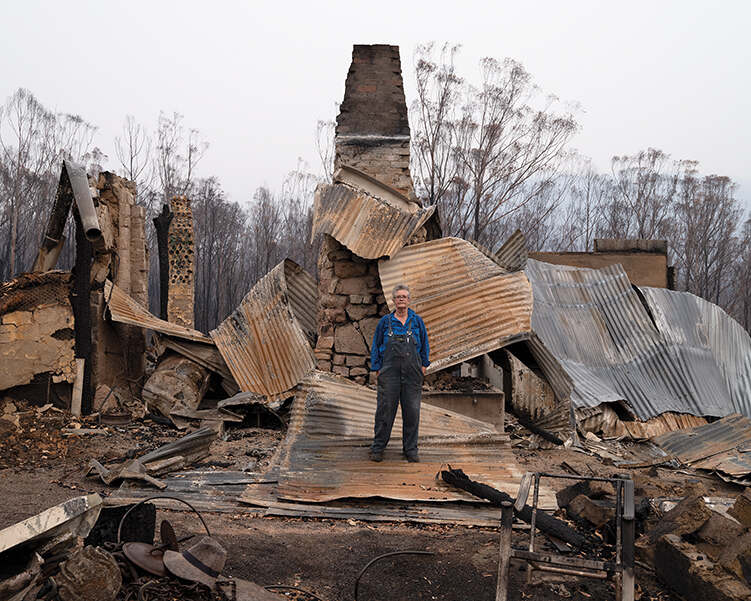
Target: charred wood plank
x,y
545,522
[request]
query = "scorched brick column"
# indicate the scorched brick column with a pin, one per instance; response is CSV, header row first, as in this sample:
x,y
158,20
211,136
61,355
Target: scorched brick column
x,y
372,135
181,296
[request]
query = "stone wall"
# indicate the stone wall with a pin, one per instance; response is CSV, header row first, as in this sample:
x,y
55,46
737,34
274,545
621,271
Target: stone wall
x,y
181,299
118,350
372,130
351,303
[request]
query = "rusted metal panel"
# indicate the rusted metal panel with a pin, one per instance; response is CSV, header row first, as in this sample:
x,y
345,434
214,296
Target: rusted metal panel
x,y
371,227
124,309
512,255
597,327
266,342
605,421
728,434
325,454
469,305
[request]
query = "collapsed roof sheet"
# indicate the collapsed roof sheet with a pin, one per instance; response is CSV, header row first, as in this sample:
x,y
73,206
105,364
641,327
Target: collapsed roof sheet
x,y
469,304
124,309
705,339
368,225
266,342
325,454
512,256
596,326
723,446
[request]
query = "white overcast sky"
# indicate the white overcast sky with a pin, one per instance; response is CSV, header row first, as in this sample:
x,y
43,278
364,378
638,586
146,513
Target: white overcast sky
x,y
255,77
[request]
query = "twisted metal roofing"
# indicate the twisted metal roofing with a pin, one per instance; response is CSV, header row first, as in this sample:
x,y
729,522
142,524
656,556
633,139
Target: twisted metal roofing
x,y
266,342
325,454
124,309
368,225
469,304
600,331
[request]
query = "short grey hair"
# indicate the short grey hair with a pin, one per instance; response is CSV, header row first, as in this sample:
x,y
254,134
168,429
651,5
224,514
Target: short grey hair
x,y
399,287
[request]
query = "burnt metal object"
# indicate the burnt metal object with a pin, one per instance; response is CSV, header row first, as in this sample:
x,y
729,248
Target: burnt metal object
x,y
325,454
89,574
379,558
124,309
267,341
621,571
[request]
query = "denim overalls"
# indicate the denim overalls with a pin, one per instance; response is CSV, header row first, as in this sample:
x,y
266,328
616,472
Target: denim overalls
x,y
399,381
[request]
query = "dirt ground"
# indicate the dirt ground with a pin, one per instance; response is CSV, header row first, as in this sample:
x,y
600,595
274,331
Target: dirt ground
x,y
42,467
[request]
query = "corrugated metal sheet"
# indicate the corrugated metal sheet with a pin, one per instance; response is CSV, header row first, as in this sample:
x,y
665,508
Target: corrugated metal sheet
x,y
266,342
369,226
325,454
594,323
512,255
469,305
723,446
606,422
707,342
124,309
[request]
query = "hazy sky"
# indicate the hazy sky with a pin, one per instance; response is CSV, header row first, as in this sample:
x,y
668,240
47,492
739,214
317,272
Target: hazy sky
x,y
255,77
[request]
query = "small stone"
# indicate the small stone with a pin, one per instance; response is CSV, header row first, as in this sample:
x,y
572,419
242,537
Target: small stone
x,y
348,269
333,301
325,342
339,359
351,286
358,371
356,360
348,340
358,312
324,365
341,370
741,509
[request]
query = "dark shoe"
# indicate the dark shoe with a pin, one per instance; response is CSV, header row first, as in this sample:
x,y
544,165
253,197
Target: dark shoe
x,y
413,458
377,457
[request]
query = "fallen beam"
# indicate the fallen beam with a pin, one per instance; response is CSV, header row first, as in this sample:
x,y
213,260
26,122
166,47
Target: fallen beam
x,y
545,522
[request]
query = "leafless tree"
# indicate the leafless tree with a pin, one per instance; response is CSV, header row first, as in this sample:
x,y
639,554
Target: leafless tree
x,y
133,150
326,147
484,152
433,118
645,189
177,154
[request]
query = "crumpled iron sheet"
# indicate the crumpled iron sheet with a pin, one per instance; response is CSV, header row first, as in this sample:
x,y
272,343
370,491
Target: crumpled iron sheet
x,y
727,434
367,225
325,454
266,341
706,341
595,324
469,304
512,255
604,420
124,309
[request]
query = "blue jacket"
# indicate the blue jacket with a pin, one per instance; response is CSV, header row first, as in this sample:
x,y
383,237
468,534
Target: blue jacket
x,y
378,347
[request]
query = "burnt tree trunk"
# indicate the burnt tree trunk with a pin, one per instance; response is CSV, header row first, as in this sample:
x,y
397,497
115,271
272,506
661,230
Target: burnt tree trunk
x,y
81,303
161,224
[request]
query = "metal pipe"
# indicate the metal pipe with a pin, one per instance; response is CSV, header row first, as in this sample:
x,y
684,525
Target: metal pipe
x,y
79,185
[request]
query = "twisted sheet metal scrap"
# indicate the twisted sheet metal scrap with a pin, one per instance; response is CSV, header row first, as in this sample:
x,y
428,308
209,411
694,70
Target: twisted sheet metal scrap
x,y
266,341
367,225
325,454
596,325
